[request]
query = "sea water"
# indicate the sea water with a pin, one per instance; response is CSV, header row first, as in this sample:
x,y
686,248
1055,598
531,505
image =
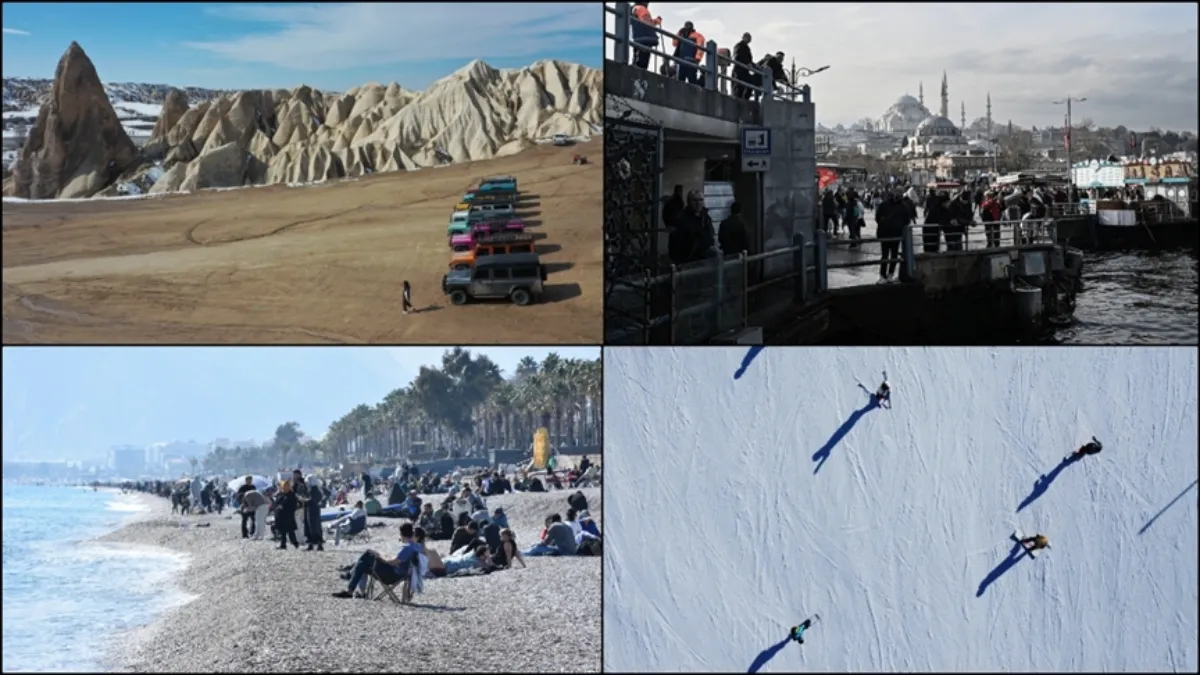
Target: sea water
x,y
66,597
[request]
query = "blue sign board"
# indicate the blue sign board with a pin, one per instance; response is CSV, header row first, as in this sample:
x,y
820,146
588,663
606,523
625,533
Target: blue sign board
x,y
756,141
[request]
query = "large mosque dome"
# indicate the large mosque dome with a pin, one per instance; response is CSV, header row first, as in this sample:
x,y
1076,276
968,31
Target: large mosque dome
x,y
903,116
936,127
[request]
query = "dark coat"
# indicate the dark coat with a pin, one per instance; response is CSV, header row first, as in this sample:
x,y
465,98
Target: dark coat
x,y
285,511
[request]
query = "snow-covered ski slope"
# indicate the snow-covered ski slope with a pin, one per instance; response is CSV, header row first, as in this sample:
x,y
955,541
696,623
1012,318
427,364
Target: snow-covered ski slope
x,y
722,533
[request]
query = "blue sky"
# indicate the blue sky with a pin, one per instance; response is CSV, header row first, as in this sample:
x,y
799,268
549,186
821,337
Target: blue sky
x,y
1135,62
329,46
76,402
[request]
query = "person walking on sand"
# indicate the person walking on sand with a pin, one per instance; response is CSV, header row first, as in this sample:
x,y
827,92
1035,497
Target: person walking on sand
x,y
407,294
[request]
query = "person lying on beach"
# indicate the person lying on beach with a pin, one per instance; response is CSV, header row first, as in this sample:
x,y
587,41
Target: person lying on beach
x,y
477,561
386,570
508,551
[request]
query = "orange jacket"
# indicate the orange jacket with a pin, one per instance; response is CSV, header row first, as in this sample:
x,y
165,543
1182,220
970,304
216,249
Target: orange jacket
x,y
700,42
641,13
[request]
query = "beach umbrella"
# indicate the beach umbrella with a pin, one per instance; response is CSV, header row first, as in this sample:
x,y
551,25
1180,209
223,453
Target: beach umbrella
x,y
260,482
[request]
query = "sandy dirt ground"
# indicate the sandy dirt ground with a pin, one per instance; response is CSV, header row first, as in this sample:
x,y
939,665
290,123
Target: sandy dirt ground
x,y
317,264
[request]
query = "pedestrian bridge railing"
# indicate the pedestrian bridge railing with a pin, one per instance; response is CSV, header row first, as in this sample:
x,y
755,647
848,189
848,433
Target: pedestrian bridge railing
x,y
714,296
711,70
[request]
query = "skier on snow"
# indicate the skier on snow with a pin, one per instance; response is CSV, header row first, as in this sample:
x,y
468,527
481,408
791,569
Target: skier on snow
x,y
798,631
1036,542
884,393
1089,449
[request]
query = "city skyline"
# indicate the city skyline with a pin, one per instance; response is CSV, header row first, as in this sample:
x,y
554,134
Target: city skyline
x,y
1113,50
77,403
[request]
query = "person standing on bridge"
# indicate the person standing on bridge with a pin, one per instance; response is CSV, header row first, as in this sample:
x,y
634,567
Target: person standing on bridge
x,y
960,217
643,34
685,51
741,72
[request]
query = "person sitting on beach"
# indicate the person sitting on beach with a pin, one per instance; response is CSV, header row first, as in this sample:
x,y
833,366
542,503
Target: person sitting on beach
x,y
588,525
474,500
559,539
500,518
578,501
508,551
491,534
427,519
351,523
444,524
411,507
464,537
462,505
389,571
372,505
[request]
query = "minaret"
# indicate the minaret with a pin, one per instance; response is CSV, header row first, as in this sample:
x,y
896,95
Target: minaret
x,y
921,92
964,115
945,112
989,115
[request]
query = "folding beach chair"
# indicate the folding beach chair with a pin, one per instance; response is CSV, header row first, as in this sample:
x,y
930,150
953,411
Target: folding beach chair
x,y
388,588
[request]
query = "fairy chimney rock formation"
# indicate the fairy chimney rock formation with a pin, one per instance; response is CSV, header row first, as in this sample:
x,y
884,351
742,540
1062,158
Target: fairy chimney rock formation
x,y
77,146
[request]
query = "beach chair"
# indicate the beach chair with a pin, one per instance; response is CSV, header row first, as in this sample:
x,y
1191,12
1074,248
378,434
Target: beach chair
x,y
388,590
358,531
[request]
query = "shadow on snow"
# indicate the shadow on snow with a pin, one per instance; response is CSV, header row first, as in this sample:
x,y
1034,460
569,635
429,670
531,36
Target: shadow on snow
x,y
746,360
1164,509
1014,556
1043,482
766,655
823,454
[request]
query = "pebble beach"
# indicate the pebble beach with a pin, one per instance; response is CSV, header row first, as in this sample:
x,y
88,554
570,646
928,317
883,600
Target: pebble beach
x,y
261,609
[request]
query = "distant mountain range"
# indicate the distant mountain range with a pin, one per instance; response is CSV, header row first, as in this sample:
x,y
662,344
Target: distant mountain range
x,y
29,94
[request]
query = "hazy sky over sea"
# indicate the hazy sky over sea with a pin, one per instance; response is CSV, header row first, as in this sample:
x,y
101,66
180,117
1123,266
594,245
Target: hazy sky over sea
x,y
77,402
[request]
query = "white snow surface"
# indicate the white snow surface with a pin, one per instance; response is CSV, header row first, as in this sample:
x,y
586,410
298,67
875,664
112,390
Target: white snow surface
x,y
720,536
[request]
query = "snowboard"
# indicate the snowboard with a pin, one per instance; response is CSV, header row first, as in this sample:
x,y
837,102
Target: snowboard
x,y
815,618
1017,536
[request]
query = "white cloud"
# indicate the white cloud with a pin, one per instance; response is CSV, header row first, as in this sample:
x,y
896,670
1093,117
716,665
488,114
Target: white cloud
x,y
15,31
334,36
1135,62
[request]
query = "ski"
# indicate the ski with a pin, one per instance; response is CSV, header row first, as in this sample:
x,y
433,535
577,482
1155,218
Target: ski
x,y
1017,536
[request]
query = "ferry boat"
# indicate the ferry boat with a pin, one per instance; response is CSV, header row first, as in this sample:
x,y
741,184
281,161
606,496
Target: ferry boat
x,y
1166,217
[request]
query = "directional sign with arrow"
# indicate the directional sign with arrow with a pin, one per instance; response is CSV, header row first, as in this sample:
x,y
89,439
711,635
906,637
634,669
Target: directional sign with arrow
x,y
760,164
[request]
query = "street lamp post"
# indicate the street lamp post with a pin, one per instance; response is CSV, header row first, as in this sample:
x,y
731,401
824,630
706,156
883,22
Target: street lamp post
x,y
1070,168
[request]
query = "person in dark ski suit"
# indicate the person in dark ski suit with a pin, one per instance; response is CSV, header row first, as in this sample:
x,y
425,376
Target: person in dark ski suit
x,y
1091,448
798,631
